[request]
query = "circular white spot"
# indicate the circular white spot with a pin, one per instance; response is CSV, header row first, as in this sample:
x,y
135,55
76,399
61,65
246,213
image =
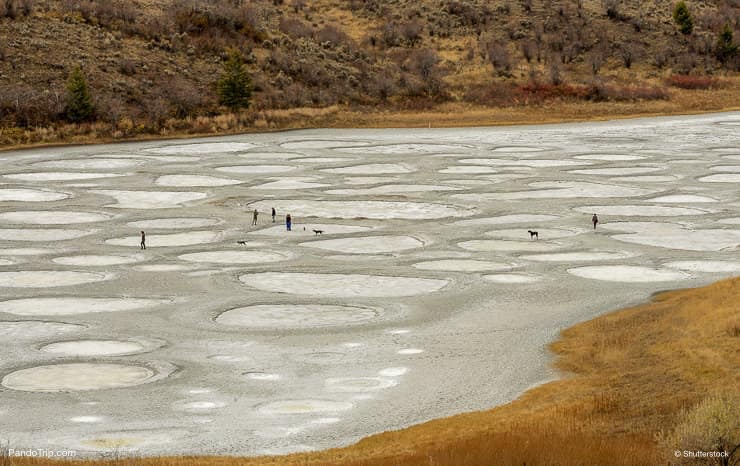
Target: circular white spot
x,y
367,244
608,157
358,384
576,256
59,176
33,329
392,189
89,164
341,285
647,178
616,171
42,234
30,195
721,178
627,274
51,217
86,419
371,169
73,306
296,316
504,245
198,406
470,169
96,261
150,199
93,348
462,265
174,223
304,407
233,257
48,278
507,278
203,148
76,376
262,376
531,219
27,251
256,169
705,266
393,371
162,268
683,198
194,180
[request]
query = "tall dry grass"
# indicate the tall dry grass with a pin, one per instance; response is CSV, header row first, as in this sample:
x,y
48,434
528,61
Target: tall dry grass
x,y
637,381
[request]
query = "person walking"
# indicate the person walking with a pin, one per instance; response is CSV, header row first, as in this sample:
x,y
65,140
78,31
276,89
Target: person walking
x,y
288,222
594,220
273,215
254,217
143,240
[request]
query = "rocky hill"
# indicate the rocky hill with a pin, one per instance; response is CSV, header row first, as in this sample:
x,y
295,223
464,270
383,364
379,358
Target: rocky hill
x,y
152,64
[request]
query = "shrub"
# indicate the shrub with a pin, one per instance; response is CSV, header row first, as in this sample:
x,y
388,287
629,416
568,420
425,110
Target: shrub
x,y
79,104
234,88
712,425
682,17
726,49
691,82
15,8
498,56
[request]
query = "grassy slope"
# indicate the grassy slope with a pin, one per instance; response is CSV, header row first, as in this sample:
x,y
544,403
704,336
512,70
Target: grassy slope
x,y
631,374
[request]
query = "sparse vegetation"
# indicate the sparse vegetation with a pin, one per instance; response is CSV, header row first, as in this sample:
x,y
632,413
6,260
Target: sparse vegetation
x,y
358,57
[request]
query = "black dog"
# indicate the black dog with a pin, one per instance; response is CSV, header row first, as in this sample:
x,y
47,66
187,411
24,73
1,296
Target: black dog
x,y
243,243
318,232
533,234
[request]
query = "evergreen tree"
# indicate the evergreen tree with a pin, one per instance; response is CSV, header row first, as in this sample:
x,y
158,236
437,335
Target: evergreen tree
x,y
79,105
726,50
234,88
682,17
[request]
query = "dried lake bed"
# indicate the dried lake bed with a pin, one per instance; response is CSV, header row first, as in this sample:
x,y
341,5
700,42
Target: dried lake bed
x,y
423,296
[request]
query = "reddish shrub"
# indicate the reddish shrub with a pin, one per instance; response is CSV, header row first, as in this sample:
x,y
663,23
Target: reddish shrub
x,y
692,82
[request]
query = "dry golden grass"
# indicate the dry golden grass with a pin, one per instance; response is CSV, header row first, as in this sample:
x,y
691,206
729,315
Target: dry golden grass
x,y
632,373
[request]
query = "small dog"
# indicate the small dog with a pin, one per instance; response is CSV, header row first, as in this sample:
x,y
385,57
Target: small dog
x,y
318,232
243,243
533,234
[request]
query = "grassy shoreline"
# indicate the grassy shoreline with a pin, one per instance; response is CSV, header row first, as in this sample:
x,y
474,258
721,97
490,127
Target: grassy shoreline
x,y
634,375
682,102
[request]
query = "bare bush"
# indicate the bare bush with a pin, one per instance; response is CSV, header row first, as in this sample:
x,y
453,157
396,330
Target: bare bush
x,y
411,31
333,35
295,28
184,98
13,9
498,56
425,63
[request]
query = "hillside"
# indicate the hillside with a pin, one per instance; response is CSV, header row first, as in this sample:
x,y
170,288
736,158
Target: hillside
x,y
152,64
